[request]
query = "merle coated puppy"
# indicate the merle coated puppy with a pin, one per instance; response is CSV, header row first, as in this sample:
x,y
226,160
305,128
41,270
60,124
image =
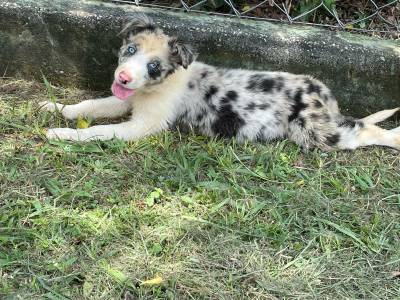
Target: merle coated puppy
x,y
158,81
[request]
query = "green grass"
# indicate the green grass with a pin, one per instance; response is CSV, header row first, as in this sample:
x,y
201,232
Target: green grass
x,y
215,219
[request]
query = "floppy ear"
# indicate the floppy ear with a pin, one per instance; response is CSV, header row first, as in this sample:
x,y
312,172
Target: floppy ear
x,y
180,53
137,23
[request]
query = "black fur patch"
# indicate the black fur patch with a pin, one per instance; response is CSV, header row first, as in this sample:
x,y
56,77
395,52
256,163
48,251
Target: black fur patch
x,y
148,27
250,106
333,139
298,105
350,122
140,29
228,122
263,106
323,117
260,134
280,83
204,74
313,88
301,122
191,85
317,103
253,81
258,82
200,116
230,96
267,85
209,94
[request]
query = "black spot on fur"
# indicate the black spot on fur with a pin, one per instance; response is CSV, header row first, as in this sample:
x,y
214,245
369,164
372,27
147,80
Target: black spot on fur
x,y
250,106
313,88
200,116
149,27
254,81
260,134
267,85
327,97
204,74
280,83
298,105
333,139
301,121
230,96
211,92
263,106
228,122
317,103
258,82
191,85
138,25
350,122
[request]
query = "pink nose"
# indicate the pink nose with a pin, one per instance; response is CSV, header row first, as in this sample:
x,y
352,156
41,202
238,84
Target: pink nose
x,y
124,78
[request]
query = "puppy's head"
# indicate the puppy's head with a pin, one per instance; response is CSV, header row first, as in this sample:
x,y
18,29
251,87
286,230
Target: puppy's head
x,y
147,57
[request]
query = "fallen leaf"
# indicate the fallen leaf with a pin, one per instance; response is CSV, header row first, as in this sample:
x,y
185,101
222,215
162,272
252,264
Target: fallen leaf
x,y
154,281
82,123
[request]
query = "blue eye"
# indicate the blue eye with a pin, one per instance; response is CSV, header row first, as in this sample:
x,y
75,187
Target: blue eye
x,y
132,49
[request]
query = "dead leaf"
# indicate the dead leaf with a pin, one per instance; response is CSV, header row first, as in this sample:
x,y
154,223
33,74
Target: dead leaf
x,y
154,281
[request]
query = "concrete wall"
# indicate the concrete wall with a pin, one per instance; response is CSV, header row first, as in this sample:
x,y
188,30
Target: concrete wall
x,y
74,42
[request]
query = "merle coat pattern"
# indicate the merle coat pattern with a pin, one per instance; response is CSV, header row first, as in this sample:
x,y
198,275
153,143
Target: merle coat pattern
x,y
159,82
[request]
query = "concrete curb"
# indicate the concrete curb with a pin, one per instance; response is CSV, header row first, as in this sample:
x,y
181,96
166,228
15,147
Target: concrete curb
x,y
73,42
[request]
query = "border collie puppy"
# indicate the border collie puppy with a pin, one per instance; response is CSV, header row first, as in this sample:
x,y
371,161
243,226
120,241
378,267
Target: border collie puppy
x,y
159,83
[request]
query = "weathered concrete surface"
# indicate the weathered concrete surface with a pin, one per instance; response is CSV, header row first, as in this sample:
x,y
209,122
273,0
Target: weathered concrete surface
x,y
73,42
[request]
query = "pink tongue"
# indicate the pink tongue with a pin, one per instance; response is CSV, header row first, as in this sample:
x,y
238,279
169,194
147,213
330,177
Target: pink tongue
x,y
121,92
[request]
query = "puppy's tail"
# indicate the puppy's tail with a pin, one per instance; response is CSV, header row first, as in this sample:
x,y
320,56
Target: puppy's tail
x,y
379,116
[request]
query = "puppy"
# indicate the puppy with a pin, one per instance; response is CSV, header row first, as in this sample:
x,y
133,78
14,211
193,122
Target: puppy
x,y
158,81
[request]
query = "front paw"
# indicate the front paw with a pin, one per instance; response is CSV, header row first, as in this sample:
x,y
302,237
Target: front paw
x,y
63,134
50,106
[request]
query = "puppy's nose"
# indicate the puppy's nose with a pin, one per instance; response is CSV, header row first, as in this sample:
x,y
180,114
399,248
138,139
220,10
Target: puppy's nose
x,y
124,78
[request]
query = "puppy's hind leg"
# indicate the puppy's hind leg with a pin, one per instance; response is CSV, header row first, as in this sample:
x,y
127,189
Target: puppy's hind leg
x,y
363,132
367,135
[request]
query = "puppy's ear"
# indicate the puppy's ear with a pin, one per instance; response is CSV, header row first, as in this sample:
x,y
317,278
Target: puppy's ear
x,y
180,53
137,23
